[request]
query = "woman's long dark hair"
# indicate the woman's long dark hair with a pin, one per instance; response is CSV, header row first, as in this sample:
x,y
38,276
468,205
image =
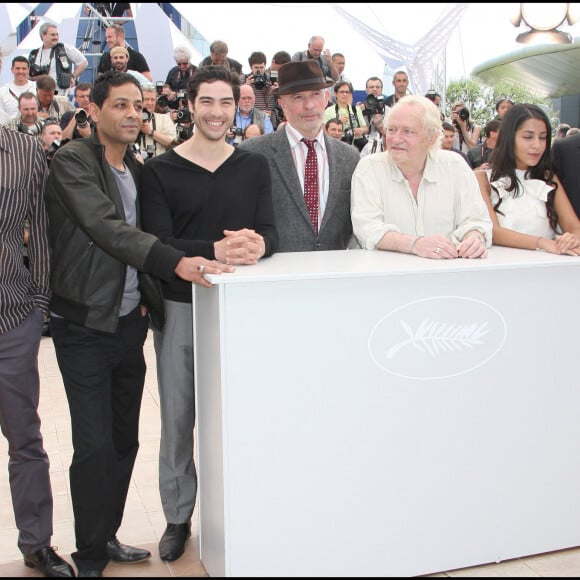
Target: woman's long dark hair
x,y
503,157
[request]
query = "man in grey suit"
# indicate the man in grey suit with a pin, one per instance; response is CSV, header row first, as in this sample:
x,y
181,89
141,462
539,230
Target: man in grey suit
x,y
303,94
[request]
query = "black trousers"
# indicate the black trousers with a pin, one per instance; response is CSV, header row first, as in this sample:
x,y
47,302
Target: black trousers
x,y
103,375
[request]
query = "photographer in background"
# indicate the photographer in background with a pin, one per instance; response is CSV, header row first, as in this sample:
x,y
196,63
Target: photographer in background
x,y
333,128
400,83
435,98
27,120
262,84
56,59
158,132
355,129
468,133
51,138
321,55
374,113
179,75
247,114
78,123
177,109
50,105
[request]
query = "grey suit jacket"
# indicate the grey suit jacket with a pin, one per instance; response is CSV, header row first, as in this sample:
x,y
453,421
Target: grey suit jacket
x,y
292,220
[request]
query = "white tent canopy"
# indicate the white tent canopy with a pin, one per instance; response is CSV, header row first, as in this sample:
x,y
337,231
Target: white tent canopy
x,y
376,39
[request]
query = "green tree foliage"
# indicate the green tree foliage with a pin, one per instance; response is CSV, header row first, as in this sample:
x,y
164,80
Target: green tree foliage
x,y
480,99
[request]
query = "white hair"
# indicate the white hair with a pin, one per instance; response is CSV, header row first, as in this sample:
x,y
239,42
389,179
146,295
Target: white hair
x,y
182,53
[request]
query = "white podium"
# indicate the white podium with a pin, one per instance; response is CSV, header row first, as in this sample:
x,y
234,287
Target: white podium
x,y
376,414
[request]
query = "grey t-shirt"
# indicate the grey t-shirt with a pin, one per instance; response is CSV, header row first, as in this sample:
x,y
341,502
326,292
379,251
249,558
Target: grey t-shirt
x,y
126,184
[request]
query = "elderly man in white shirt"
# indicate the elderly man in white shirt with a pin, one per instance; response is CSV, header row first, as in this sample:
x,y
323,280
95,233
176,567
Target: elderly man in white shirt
x,y
415,197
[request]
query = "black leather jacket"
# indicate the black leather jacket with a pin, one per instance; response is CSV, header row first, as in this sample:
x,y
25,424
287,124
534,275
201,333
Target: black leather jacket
x,y
91,243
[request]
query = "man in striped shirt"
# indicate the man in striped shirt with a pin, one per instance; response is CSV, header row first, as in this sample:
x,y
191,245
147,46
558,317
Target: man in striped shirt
x,y
24,296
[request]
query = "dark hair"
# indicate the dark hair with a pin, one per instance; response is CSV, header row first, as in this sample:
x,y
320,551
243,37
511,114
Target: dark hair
x,y
343,84
210,74
20,59
432,95
281,57
331,121
374,79
502,101
102,87
45,82
83,87
562,129
26,95
492,125
503,157
447,126
257,58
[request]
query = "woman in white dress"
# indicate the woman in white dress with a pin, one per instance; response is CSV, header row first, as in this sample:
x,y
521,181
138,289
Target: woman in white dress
x,y
527,203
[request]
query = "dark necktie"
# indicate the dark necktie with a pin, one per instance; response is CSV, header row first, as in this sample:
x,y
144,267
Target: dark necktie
x,y
311,182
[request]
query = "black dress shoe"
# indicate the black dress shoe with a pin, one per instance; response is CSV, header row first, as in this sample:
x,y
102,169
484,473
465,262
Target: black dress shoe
x,y
172,543
123,554
49,563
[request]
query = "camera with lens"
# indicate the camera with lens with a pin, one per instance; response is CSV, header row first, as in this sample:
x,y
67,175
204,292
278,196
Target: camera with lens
x,y
183,116
54,147
175,103
237,133
159,87
348,136
81,118
463,114
183,132
146,116
22,128
259,81
374,105
274,76
36,70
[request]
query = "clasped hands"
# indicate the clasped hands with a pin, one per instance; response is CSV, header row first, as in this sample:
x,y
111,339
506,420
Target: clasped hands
x,y
243,246
567,243
441,248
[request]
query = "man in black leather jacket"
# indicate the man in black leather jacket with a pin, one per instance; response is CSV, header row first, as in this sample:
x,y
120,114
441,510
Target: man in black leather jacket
x,y
101,262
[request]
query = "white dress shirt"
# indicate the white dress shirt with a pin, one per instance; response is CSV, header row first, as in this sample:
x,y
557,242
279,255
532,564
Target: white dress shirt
x,y
449,201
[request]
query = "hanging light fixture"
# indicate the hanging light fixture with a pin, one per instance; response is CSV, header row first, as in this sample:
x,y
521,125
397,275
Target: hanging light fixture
x,y
543,19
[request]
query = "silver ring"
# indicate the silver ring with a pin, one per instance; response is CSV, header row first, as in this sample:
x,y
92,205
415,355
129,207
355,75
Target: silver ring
x,y
437,250
200,269
482,239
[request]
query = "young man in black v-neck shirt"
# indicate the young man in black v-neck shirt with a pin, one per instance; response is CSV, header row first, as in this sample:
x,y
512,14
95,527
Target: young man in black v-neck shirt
x,y
207,198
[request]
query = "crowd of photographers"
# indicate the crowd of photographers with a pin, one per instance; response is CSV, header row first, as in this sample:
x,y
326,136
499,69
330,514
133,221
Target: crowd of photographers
x,y
31,98
35,96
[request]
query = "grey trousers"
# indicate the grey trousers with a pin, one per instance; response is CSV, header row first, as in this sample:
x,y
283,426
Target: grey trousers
x,y
174,355
28,466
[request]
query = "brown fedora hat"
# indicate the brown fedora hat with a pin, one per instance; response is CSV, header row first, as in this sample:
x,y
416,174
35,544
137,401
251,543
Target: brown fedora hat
x,y
295,77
